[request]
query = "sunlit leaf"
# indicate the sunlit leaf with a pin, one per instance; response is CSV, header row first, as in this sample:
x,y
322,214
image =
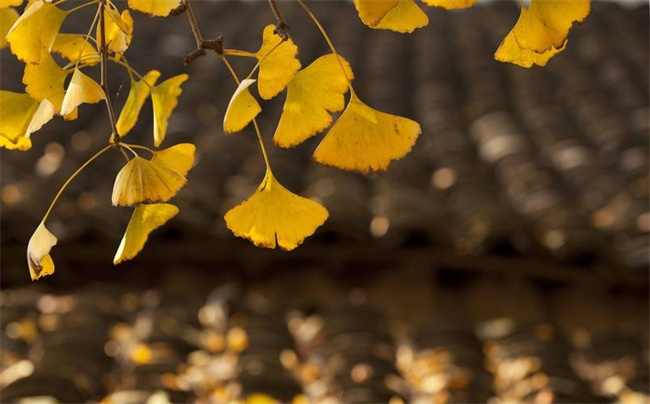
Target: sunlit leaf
x,y
242,108
140,91
372,11
35,30
511,52
545,25
44,113
406,17
314,93
119,30
74,47
46,80
23,143
39,260
165,98
159,8
145,219
144,181
364,139
10,3
8,17
274,216
17,110
81,90
277,68
179,158
450,4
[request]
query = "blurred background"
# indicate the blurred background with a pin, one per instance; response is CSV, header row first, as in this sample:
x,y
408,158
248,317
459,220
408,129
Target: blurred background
x,y
504,259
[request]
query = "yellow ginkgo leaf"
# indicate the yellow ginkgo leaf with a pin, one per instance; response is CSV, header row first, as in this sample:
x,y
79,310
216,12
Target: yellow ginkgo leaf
x,y
450,4
158,8
406,17
242,108
119,30
74,47
372,11
144,181
23,143
46,80
8,17
39,260
145,219
44,113
511,52
545,25
10,3
138,94
165,98
364,139
35,30
81,90
274,216
277,65
314,93
179,158
16,112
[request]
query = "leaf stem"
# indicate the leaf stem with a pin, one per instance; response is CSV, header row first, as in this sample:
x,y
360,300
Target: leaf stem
x,y
237,52
329,42
103,49
72,177
255,125
137,146
72,10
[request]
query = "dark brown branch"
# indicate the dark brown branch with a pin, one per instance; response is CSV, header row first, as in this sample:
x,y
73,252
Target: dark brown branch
x,y
103,49
282,29
201,44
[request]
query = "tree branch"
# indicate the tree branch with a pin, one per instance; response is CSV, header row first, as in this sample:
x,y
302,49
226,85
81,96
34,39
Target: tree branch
x,y
282,29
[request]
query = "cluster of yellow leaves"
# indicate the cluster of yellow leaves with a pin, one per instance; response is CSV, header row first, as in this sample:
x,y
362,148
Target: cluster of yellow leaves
x,y
362,139
52,89
540,33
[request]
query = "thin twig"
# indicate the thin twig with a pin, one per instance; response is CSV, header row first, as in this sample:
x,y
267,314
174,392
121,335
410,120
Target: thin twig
x,y
201,44
282,29
104,79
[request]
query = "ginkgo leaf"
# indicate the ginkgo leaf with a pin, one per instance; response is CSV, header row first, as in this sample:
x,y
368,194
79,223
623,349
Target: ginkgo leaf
x,y
314,93
81,90
144,181
23,143
74,47
242,108
138,94
44,113
46,80
39,260
406,17
119,30
35,30
17,110
158,8
274,216
10,3
450,4
145,219
8,17
545,25
165,98
364,139
277,67
372,11
179,158
511,52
